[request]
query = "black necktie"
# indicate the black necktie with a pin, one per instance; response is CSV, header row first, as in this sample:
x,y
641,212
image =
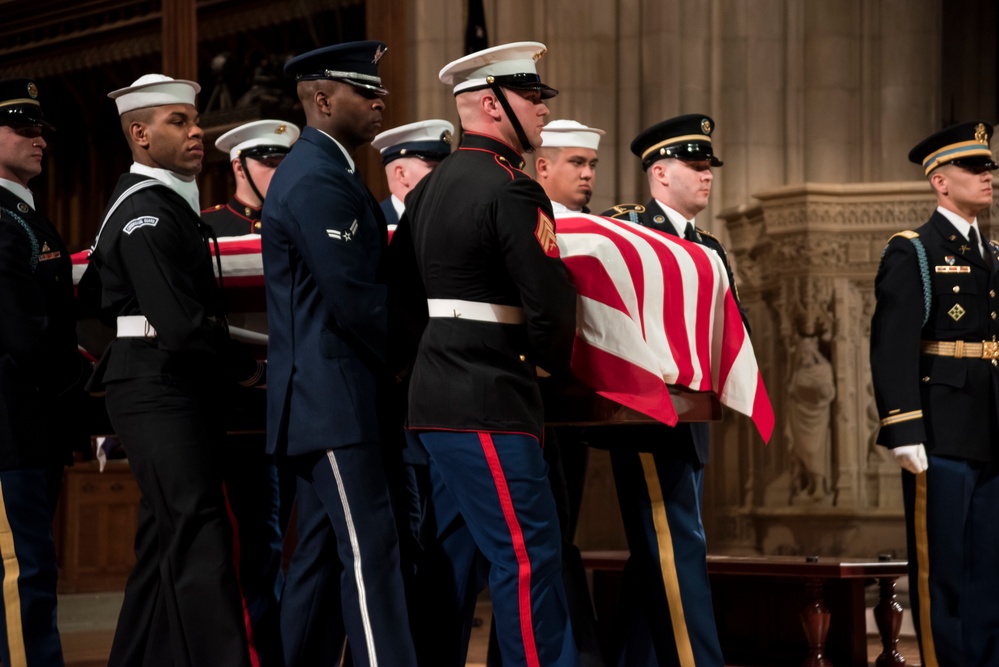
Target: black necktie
x,y
973,240
689,233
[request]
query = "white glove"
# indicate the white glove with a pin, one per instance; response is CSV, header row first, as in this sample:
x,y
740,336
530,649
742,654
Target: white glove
x,y
912,457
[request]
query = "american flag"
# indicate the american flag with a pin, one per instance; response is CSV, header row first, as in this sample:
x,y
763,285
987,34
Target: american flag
x,y
656,310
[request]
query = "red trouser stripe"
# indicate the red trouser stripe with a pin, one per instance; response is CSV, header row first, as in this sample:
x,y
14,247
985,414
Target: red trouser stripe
x,y
520,549
251,644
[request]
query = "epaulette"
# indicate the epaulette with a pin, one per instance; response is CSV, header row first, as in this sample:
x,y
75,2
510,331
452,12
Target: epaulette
x,y
211,209
624,212
711,236
907,234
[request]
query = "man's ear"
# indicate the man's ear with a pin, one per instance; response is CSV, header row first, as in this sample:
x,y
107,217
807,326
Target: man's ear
x,y
541,167
138,133
491,106
939,182
237,169
323,100
398,170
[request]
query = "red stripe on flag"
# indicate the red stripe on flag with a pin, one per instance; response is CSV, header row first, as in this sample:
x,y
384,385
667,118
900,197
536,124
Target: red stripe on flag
x,y
623,382
592,281
763,411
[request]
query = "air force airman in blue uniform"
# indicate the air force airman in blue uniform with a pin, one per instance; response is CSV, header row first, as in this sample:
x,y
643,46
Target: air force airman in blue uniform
x,y
935,366
326,308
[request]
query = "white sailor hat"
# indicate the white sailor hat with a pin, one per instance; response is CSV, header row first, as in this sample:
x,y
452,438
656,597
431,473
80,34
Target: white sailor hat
x,y
261,138
427,139
512,66
570,134
154,90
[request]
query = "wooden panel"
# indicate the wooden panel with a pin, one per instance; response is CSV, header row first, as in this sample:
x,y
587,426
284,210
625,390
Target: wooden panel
x,y
95,536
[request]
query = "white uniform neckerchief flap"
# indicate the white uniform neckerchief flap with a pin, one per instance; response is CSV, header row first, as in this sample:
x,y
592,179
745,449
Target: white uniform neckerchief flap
x,y
20,191
187,189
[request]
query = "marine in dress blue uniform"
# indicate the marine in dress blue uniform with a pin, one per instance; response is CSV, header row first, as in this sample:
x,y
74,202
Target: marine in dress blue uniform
x,y
40,385
326,309
499,304
666,612
172,357
255,150
935,367
408,153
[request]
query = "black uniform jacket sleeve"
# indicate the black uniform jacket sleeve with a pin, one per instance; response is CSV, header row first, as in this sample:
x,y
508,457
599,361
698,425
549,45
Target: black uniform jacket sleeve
x,y
895,334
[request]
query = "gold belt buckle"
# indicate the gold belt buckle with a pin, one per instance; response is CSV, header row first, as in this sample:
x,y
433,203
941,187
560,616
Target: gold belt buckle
x,y
990,349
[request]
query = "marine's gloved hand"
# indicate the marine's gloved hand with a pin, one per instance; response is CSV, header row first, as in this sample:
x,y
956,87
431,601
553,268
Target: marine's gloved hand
x,y
912,457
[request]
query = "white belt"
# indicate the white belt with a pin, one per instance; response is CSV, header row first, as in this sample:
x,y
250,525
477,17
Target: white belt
x,y
476,310
135,326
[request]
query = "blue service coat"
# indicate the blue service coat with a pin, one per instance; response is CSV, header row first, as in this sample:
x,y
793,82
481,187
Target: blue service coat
x,y
326,301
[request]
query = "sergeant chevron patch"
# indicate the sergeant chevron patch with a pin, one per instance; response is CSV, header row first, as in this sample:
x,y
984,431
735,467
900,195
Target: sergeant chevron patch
x,y
345,235
144,221
545,233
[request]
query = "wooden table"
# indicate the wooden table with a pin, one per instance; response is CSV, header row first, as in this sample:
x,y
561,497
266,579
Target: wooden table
x,y
785,610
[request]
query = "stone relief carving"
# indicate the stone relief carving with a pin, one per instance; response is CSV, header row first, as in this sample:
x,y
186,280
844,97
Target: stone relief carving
x,y
810,392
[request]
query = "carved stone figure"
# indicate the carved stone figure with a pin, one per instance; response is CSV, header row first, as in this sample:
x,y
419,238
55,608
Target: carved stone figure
x,y
810,392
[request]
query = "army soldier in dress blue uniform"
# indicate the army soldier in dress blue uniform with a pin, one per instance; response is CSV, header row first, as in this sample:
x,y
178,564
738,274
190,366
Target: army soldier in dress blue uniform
x,y
935,366
259,509
255,150
667,616
409,152
171,358
500,304
40,379
326,310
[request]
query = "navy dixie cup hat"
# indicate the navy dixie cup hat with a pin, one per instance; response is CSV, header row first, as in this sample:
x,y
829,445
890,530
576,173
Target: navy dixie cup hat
x,y
426,139
355,63
964,144
20,106
686,137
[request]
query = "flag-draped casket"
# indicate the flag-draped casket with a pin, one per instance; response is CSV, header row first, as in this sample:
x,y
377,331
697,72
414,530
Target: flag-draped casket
x,y
657,325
